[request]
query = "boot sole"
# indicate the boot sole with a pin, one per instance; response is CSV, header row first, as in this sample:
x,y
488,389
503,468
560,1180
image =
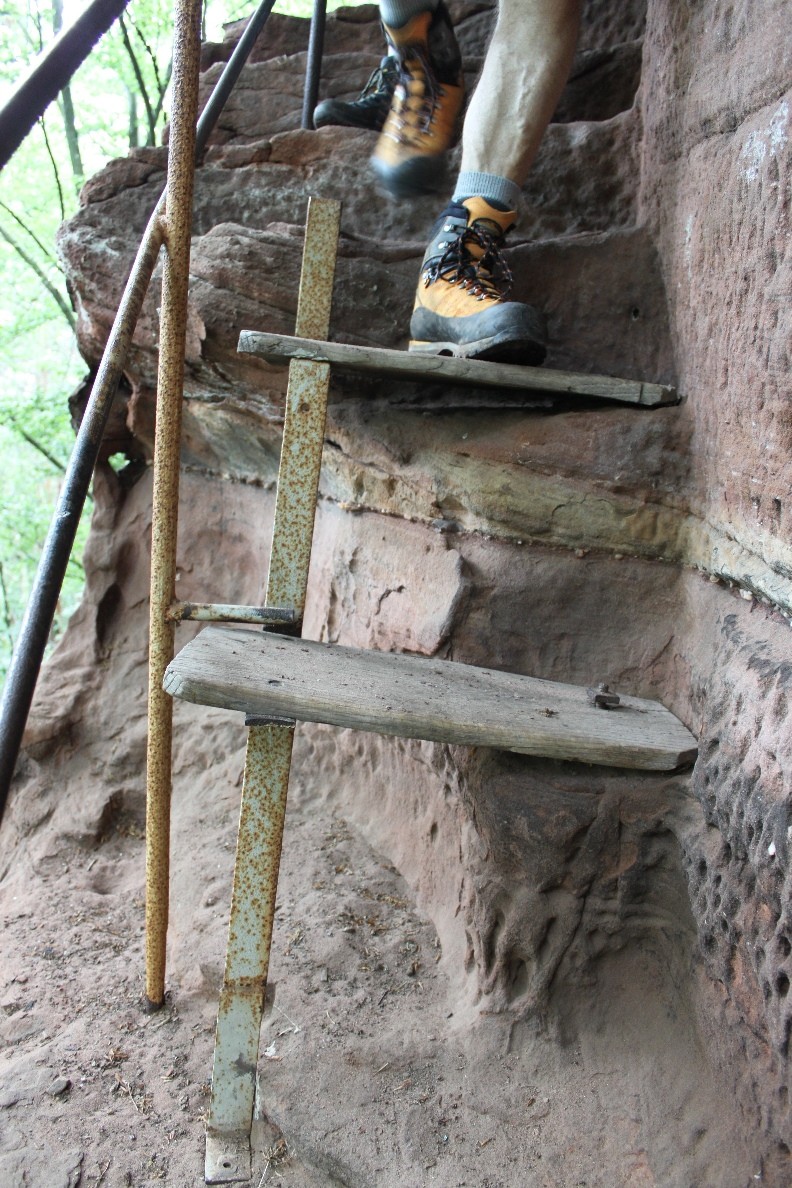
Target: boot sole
x,y
497,348
413,177
335,114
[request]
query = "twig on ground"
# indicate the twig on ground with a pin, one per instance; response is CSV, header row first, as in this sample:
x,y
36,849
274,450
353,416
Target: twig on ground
x,y
295,1026
277,1153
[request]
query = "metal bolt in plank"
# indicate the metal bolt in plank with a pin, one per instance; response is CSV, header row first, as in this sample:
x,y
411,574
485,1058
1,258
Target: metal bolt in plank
x,y
268,757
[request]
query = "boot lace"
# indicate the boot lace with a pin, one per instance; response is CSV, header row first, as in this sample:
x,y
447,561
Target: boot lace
x,y
382,80
415,66
484,276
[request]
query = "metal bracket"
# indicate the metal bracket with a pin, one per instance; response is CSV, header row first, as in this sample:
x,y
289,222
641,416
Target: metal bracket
x,y
602,698
227,1157
268,720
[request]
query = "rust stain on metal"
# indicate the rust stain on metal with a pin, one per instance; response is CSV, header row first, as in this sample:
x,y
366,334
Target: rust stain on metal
x,y
258,851
318,269
259,841
305,415
181,158
298,483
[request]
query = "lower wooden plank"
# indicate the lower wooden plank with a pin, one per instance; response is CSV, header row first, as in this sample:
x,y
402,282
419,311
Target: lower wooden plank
x,y
413,697
279,348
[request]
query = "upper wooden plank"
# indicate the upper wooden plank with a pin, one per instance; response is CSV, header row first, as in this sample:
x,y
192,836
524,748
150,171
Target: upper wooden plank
x,y
278,348
414,697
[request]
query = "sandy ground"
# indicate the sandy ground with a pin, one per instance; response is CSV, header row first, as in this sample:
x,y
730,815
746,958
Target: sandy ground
x,y
375,1070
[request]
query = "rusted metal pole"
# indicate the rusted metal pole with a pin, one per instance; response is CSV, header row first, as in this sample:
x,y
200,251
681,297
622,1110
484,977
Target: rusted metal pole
x,y
231,72
167,444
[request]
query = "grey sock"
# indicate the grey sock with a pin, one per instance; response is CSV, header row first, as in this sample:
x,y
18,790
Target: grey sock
x,y
396,13
500,191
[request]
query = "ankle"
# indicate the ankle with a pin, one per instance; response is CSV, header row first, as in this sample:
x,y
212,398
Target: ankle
x,y
500,192
397,13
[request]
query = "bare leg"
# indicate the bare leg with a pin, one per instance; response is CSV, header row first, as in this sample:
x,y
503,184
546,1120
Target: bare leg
x,y
526,67
461,306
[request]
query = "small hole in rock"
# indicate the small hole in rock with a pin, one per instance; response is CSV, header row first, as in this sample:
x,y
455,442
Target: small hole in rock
x,y
782,984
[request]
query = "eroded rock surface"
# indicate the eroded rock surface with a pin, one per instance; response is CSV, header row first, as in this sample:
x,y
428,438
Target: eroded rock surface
x,y
632,927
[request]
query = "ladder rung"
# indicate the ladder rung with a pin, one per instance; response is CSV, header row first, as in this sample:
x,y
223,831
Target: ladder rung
x,y
226,612
415,697
279,348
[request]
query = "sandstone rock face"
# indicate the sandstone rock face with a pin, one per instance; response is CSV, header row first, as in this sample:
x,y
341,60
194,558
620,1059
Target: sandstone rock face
x,y
578,543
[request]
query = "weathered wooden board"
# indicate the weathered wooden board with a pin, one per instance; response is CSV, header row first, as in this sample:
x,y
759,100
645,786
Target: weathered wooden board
x,y
278,348
413,697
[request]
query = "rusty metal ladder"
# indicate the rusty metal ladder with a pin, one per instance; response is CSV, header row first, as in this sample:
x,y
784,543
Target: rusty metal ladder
x,y
270,738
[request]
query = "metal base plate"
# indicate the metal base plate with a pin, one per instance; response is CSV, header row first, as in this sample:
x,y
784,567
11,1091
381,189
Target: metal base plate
x,y
227,1158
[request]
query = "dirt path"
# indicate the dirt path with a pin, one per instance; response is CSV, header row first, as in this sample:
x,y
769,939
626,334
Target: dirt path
x,y
372,1073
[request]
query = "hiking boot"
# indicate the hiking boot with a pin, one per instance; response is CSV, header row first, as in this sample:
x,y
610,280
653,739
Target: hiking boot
x,y
370,108
426,107
461,307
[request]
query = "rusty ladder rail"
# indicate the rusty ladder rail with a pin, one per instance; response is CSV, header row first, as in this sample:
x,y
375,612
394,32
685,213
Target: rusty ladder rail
x,y
269,746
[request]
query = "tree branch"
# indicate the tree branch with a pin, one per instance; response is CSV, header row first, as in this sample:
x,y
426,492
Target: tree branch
x,y
54,169
163,89
46,282
67,108
7,619
32,235
152,56
152,122
53,461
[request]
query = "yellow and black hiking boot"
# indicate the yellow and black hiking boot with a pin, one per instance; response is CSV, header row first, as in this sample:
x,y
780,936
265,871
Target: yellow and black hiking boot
x,y
461,307
372,105
425,112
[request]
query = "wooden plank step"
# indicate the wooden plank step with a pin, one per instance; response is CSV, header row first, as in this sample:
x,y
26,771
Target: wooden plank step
x,y
414,697
279,348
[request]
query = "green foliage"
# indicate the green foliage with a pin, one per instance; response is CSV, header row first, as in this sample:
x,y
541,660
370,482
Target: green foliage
x,y
117,100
